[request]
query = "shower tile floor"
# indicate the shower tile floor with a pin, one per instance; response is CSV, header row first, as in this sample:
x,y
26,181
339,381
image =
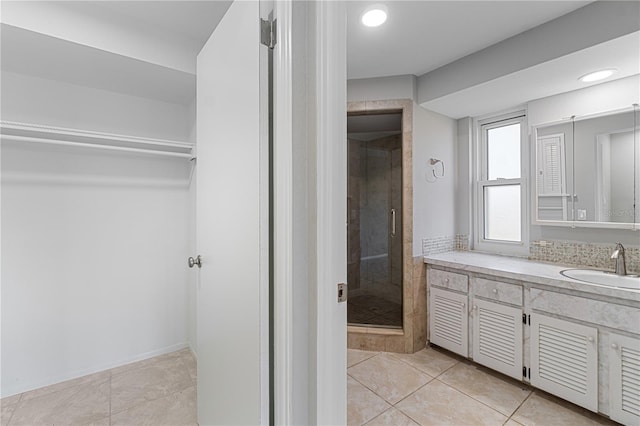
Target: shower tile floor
x,y
430,387
370,309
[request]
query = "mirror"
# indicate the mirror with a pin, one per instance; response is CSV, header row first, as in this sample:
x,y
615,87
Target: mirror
x,y
587,171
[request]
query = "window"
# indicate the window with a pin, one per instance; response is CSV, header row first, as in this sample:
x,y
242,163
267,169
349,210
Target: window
x,y
501,193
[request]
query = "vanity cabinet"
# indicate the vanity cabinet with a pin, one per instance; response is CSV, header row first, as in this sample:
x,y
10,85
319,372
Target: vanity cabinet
x,y
577,342
624,379
497,337
564,359
448,311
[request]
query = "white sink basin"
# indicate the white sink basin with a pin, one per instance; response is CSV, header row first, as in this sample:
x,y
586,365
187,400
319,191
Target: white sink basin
x,y
603,278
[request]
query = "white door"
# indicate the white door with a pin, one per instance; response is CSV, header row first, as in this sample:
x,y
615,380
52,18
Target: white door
x,y
228,217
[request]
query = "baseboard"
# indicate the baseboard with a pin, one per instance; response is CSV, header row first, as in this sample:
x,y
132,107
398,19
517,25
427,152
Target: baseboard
x,y
26,387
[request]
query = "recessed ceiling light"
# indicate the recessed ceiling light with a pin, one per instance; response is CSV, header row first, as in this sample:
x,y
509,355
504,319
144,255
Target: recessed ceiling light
x,y
374,16
598,75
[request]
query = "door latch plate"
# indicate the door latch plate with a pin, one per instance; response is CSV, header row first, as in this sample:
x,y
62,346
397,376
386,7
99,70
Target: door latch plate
x,y
342,292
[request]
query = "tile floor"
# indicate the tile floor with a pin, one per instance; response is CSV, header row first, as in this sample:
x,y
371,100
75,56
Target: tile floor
x,y
430,387
157,391
435,387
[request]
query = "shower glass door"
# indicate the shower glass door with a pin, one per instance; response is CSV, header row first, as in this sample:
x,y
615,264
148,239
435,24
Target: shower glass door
x,y
375,220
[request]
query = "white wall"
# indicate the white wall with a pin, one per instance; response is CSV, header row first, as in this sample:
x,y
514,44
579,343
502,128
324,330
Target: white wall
x,y
375,89
94,243
37,100
434,136
434,204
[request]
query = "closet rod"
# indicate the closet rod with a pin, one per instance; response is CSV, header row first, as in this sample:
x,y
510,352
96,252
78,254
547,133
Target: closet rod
x,y
99,146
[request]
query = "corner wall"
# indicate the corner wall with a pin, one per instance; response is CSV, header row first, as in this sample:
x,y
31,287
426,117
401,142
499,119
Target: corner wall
x,y
434,136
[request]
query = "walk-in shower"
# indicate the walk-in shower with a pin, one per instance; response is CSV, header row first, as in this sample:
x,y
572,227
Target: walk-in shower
x,y
374,203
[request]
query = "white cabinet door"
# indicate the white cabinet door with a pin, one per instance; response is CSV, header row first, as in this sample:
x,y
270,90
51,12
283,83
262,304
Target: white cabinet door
x,y
229,217
564,360
497,337
624,379
448,320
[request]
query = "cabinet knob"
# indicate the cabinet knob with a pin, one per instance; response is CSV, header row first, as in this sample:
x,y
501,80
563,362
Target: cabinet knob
x,y
494,291
614,346
446,280
475,307
590,338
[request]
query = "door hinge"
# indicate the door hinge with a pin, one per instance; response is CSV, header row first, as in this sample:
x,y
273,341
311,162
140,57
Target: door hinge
x,y
526,372
526,319
342,292
268,33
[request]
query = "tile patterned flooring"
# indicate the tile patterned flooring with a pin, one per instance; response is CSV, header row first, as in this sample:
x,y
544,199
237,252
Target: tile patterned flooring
x,y
435,387
157,391
430,387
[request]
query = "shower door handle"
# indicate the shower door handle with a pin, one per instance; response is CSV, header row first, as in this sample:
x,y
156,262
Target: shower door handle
x,y
393,223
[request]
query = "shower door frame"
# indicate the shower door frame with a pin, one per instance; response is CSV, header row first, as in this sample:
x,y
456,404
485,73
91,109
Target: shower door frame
x,y
378,338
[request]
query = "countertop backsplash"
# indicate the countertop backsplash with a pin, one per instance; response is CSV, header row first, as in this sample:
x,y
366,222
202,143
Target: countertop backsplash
x,y
583,254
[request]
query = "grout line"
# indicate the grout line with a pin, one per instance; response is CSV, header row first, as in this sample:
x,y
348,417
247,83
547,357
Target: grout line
x,y
13,411
471,397
521,404
110,395
366,359
15,407
424,372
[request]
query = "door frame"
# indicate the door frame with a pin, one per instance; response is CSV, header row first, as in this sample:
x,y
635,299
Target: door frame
x,y
330,48
283,212
326,136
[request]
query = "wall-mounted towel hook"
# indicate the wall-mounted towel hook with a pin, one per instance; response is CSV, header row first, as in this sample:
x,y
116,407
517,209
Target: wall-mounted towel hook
x,y
436,172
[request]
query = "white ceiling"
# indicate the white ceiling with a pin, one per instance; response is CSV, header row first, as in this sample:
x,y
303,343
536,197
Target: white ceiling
x,y
192,19
420,36
35,54
148,48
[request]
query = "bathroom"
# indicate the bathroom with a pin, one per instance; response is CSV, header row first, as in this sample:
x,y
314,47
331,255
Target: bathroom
x,y
143,208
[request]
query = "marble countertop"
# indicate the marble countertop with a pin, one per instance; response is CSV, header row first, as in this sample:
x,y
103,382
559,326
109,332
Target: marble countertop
x,y
525,270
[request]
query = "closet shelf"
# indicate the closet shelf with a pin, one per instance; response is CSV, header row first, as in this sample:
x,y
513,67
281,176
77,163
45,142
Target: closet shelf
x,y
34,133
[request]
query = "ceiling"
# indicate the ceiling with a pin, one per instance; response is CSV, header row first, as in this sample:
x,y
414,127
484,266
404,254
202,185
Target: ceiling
x,y
38,55
148,48
420,36
192,19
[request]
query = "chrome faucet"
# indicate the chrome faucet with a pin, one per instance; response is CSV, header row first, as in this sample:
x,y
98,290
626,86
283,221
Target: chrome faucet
x,y
618,255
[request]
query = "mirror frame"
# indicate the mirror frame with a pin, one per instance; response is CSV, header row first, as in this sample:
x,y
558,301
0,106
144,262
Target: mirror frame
x,y
572,223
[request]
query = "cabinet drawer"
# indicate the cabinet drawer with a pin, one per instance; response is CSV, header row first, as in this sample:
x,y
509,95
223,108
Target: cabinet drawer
x,y
496,290
450,280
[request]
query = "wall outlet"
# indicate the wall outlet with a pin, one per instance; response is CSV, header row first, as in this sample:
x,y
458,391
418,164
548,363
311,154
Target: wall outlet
x,y
582,214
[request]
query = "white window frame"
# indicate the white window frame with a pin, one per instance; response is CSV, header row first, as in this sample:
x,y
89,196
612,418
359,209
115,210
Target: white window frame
x,y
481,126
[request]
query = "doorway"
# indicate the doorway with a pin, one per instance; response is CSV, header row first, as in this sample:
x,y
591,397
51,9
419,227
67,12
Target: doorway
x,y
374,203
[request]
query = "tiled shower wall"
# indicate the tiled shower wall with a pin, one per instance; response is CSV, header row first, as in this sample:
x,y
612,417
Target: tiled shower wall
x,y
583,254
